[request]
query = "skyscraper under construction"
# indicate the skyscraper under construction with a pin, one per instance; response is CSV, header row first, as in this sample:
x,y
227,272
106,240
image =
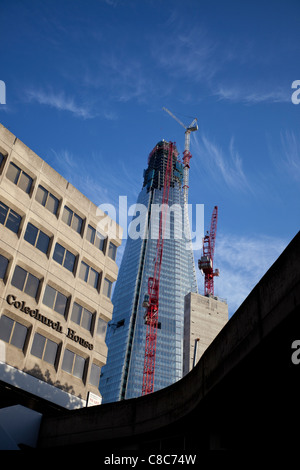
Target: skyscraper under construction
x,y
122,376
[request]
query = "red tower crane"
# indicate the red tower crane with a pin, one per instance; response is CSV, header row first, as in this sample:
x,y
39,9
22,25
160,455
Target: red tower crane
x,y
151,300
207,259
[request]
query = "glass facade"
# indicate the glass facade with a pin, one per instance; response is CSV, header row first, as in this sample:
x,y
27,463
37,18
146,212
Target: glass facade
x,y
122,376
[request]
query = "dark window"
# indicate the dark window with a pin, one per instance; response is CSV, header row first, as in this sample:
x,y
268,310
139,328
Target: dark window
x,y
19,177
82,316
72,219
47,199
89,275
44,349
12,332
55,300
25,281
102,327
37,238
64,257
96,238
73,364
3,266
107,286
95,375
9,218
112,251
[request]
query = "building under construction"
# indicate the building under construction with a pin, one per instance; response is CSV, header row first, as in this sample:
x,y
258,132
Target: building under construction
x,y
122,377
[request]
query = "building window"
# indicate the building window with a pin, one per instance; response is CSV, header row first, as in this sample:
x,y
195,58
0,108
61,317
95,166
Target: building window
x,y
3,266
37,238
102,327
2,158
25,281
72,219
55,300
73,364
19,177
44,349
95,237
95,375
9,218
47,199
82,316
12,332
89,275
107,286
64,257
112,251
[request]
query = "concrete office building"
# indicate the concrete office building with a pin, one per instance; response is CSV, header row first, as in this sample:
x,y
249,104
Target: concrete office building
x,y
204,317
56,277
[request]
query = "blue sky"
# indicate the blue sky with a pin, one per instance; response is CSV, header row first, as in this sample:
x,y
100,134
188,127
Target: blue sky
x,y
86,82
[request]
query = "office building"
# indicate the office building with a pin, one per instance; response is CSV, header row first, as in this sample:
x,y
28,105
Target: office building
x,y
56,276
122,376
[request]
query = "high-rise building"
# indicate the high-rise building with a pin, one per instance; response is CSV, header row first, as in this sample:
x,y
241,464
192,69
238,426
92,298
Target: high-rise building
x,y
122,377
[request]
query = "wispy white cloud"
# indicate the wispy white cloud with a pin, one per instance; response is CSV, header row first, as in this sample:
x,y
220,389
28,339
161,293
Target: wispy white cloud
x,y
221,166
238,94
60,101
291,154
242,262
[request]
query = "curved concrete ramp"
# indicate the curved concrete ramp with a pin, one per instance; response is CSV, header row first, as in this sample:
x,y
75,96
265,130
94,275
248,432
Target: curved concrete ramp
x,y
242,394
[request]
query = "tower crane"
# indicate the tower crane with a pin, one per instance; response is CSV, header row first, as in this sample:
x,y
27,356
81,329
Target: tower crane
x,y
151,300
207,259
186,154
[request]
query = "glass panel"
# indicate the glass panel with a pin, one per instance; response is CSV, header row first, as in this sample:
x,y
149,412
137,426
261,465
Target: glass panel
x,y
3,266
50,352
41,195
79,366
49,296
107,285
58,254
3,212
95,375
31,234
32,285
67,364
101,330
99,241
52,204
43,242
90,234
25,182
86,319
60,303
19,335
76,313
69,261
19,277
38,345
84,271
13,221
77,223
93,278
1,158
67,215
6,325
13,173
112,251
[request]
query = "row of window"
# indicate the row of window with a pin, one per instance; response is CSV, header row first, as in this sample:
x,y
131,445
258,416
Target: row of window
x,y
52,298
14,333
12,220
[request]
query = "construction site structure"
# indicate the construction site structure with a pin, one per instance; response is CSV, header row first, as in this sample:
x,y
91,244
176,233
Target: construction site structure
x,y
186,154
206,262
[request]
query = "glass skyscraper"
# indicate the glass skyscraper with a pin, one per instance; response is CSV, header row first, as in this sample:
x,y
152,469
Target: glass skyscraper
x,y
122,376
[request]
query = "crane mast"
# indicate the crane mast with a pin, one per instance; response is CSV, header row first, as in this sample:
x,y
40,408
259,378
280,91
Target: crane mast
x,y
186,154
207,259
151,300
